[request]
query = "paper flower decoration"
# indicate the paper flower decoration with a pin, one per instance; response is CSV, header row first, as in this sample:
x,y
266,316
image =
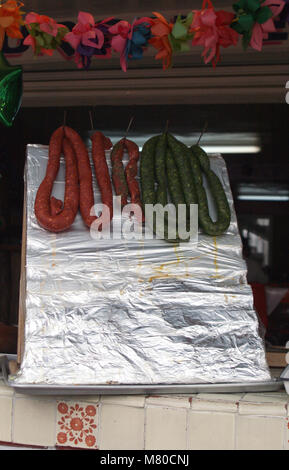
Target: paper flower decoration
x,y
138,39
120,32
254,20
89,39
160,30
10,20
130,40
102,47
45,35
212,30
180,35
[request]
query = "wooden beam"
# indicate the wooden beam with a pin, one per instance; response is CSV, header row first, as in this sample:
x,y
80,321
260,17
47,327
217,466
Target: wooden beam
x,y
256,84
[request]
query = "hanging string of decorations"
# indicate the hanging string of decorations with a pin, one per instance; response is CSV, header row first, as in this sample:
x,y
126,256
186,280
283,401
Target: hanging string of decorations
x,y
250,21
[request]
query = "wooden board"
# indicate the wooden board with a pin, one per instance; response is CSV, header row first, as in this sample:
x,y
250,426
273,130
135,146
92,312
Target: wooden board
x,y
276,359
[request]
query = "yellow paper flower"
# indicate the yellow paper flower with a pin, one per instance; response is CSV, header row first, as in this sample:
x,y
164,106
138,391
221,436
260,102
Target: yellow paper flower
x,y
10,20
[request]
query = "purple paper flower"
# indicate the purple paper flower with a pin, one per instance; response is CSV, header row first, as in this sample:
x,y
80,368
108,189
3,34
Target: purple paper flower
x,y
85,53
90,39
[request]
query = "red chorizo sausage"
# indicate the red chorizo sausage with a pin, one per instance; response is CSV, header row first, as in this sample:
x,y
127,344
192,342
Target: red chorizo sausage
x,y
50,212
118,174
100,143
131,172
84,174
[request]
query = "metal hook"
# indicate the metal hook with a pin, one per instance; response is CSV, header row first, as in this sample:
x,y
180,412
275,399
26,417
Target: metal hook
x,y
128,127
203,131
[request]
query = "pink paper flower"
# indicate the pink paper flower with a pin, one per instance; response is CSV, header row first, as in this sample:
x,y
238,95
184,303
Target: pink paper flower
x,y
121,32
261,31
84,31
89,39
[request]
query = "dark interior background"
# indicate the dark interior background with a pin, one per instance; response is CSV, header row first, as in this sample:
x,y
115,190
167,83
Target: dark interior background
x,y
259,220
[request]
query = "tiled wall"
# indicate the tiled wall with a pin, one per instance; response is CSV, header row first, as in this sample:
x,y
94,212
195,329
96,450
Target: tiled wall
x,y
201,421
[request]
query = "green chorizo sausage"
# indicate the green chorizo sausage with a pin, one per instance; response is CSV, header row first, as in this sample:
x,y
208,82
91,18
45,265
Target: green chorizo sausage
x,y
202,156
199,161
175,186
148,177
147,171
160,170
174,183
181,155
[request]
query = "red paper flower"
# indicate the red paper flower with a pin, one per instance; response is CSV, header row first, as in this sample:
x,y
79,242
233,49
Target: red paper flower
x,y
212,30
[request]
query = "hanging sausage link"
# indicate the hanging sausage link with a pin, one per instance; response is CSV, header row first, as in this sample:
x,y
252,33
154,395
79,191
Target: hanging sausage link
x,y
50,212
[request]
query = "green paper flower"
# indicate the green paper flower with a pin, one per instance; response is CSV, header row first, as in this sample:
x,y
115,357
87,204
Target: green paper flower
x,y
180,34
45,35
249,12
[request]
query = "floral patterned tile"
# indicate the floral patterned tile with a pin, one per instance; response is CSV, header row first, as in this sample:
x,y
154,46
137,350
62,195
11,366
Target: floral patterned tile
x,y
76,424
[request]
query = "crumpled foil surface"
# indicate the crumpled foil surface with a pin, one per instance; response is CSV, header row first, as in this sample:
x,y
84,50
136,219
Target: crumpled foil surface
x,y
139,311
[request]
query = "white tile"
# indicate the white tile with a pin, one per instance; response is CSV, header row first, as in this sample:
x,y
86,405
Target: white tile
x,y
34,421
121,427
260,433
224,397
174,401
216,402
165,428
6,404
277,397
125,400
264,404
211,431
5,390
262,409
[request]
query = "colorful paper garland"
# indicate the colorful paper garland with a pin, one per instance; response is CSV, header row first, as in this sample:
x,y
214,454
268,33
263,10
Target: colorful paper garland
x,y
252,20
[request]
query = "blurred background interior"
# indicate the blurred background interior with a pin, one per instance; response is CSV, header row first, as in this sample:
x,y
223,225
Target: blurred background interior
x,y
243,101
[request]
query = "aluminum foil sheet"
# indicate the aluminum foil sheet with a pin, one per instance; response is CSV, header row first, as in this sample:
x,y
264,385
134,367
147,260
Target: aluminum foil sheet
x,y
139,311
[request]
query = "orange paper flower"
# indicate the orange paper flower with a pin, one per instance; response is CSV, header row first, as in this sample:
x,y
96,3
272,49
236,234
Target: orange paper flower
x,y
160,30
10,20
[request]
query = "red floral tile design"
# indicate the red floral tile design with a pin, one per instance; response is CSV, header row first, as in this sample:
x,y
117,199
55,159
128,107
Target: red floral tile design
x,y
76,424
